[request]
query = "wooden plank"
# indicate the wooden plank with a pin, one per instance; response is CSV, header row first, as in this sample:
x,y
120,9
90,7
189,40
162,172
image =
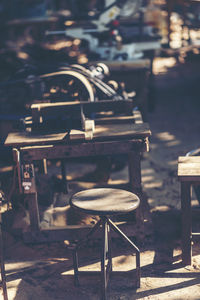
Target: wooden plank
x,y
143,63
189,159
115,131
109,131
194,179
120,106
115,120
32,21
27,138
189,168
54,105
80,150
136,118
59,108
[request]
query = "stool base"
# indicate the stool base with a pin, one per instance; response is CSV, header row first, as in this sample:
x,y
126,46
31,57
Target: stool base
x,y
106,269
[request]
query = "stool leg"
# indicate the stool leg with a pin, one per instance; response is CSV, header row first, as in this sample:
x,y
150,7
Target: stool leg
x,y
106,254
103,259
75,254
75,265
103,262
109,248
122,235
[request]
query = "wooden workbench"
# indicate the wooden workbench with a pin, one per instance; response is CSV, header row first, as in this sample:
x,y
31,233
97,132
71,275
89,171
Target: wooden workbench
x,y
188,175
108,139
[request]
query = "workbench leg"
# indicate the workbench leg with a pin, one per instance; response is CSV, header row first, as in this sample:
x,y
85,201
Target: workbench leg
x,y
33,211
142,94
64,177
45,166
186,223
16,158
42,165
134,164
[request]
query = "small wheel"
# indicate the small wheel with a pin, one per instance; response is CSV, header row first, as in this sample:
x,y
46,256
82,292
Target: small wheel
x,y
68,86
103,68
113,84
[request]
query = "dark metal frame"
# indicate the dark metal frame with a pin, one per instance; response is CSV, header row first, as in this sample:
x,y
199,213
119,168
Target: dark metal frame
x,y
106,224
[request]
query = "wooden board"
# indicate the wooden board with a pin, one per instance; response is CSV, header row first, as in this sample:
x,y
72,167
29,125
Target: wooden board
x,y
189,168
189,159
135,118
31,153
27,138
119,106
101,133
32,21
115,120
135,64
128,130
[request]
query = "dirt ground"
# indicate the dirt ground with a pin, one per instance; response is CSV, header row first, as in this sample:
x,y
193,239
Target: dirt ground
x,y
44,271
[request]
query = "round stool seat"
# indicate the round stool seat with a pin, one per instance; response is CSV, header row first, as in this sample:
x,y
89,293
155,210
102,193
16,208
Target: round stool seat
x,y
105,201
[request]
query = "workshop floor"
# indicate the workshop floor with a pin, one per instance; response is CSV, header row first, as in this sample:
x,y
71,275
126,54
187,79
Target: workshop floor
x,y
44,271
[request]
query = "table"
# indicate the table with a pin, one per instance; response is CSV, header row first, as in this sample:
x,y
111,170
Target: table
x,y
108,138
188,175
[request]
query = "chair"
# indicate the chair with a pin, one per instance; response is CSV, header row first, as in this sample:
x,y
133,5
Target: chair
x,y
105,202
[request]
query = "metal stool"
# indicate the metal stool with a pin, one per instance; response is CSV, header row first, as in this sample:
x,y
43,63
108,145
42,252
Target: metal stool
x,y
105,202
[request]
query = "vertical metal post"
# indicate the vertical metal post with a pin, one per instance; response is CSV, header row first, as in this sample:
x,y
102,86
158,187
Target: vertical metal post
x,y
75,265
138,270
109,248
103,259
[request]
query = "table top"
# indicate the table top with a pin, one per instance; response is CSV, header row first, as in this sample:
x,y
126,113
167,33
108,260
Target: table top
x,y
102,132
189,168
